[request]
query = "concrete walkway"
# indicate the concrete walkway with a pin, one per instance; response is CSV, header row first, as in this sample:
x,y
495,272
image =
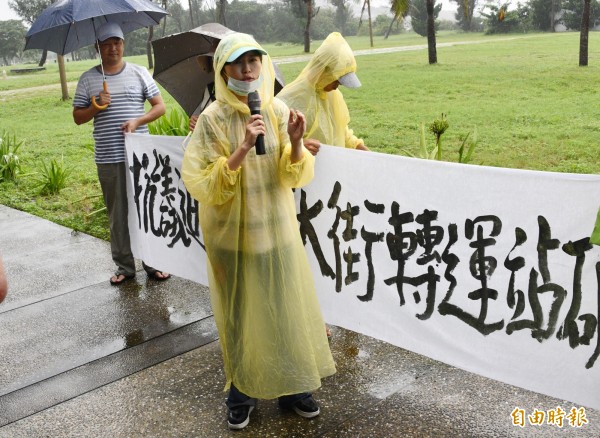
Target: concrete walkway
x,y
81,358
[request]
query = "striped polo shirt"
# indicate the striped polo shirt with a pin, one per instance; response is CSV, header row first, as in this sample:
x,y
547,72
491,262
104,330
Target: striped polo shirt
x,y
129,89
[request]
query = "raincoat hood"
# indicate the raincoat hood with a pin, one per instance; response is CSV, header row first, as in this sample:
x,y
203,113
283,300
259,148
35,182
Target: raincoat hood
x,y
332,60
226,48
327,115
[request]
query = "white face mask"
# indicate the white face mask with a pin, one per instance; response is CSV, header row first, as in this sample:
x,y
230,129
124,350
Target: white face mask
x,y
242,88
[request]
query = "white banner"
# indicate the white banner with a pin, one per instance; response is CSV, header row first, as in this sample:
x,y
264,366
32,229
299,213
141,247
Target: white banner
x,y
486,269
163,217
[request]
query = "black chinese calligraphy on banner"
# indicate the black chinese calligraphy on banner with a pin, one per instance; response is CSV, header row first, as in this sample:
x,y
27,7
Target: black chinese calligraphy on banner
x,y
487,269
163,217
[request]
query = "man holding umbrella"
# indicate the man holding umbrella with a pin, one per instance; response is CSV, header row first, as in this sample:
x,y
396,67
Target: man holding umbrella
x,y
113,95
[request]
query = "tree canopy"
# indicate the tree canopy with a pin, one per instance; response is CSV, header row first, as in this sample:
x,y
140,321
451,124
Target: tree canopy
x,y
29,10
12,35
418,16
574,11
464,13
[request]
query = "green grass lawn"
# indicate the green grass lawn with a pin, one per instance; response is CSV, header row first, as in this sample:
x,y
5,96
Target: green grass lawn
x,y
530,103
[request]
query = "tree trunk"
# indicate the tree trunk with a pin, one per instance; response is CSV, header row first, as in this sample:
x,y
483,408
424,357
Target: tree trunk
x,y
387,34
583,36
552,15
149,48
370,23
222,4
431,33
471,4
361,14
191,14
43,58
60,59
309,14
164,22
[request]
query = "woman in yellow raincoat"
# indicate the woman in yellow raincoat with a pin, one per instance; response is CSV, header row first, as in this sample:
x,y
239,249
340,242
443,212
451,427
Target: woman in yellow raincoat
x,y
315,93
262,293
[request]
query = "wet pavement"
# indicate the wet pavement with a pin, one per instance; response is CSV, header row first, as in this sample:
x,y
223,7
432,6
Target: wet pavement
x,y
82,358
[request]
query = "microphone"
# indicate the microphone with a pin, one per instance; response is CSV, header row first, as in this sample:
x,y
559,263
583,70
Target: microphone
x,y
254,105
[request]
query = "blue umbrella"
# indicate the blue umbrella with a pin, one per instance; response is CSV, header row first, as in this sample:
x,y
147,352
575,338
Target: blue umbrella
x,y
68,25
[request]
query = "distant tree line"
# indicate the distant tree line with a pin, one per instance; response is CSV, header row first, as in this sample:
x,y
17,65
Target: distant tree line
x,y
538,15
275,21
287,20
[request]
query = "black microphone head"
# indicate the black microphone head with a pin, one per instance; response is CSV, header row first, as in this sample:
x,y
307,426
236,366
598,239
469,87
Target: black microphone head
x,y
254,101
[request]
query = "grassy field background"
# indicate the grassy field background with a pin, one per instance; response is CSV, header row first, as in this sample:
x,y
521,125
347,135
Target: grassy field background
x,y
530,103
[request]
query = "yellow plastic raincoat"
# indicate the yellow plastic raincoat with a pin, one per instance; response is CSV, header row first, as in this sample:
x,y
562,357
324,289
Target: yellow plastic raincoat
x,y
327,115
270,325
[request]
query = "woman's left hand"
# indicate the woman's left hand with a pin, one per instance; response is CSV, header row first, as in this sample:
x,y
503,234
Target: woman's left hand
x,y
296,125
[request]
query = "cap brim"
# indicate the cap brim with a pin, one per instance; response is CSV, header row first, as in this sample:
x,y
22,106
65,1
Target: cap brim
x,y
104,38
239,52
350,80
109,30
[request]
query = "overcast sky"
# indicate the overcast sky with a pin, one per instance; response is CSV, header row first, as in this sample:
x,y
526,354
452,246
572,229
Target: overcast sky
x,y
6,13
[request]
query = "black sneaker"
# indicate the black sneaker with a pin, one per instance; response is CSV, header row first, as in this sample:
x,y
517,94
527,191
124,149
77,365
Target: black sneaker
x,y
239,417
307,407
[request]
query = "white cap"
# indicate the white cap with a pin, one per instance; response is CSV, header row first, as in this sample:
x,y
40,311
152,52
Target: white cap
x,y
247,48
109,30
350,80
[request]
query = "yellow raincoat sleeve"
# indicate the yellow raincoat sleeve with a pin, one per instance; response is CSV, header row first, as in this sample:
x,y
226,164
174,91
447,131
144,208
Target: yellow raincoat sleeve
x,y
205,171
352,141
293,175
341,120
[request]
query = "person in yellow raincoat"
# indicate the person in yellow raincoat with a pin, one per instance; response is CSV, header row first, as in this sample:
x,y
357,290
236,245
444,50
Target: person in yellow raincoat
x,y
315,93
262,293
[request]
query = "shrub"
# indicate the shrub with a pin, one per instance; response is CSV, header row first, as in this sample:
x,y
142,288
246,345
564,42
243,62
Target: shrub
x,y
174,122
10,165
53,177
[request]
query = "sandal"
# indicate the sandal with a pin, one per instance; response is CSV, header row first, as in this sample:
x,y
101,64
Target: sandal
x,y
157,275
118,280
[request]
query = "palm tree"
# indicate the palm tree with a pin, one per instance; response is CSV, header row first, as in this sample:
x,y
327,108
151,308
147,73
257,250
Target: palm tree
x,y
400,9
